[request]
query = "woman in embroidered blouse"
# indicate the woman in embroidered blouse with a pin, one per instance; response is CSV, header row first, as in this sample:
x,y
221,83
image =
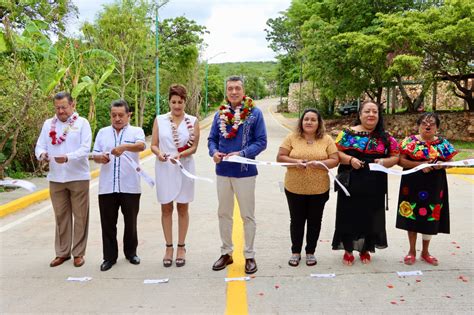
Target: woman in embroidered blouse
x,y
175,137
360,218
307,184
423,205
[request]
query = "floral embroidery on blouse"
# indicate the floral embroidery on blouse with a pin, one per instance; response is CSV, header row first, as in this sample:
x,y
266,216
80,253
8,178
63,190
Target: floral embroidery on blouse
x,y
364,142
416,149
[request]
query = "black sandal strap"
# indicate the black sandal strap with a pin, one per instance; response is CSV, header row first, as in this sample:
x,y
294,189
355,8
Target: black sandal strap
x,y
181,245
169,245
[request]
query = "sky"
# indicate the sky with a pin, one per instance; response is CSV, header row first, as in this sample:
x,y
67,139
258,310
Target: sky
x,y
236,28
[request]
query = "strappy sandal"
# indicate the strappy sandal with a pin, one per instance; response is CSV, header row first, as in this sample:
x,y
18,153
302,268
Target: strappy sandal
x,y
409,259
311,260
365,257
166,261
348,259
180,262
430,259
294,260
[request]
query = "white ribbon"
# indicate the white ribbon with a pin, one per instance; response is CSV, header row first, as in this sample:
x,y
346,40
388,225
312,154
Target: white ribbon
x,y
19,183
242,160
187,173
147,178
380,168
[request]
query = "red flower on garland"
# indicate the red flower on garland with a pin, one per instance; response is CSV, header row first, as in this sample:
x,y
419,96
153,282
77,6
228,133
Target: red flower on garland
x,y
228,118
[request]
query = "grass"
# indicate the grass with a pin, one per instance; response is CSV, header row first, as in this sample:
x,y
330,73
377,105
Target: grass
x,y
462,145
463,155
465,148
290,115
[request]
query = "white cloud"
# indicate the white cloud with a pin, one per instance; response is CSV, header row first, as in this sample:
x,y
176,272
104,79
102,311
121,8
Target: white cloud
x,y
236,27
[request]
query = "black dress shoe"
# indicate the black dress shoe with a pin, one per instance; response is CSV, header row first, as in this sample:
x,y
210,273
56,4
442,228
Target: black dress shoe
x,y
222,262
134,260
106,265
250,266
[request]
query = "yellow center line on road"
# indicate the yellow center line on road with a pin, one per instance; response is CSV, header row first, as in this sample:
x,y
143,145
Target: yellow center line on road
x,y
237,290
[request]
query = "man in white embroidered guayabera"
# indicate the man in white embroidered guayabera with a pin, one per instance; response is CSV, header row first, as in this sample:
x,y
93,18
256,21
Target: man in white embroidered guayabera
x,y
175,137
65,142
119,183
238,129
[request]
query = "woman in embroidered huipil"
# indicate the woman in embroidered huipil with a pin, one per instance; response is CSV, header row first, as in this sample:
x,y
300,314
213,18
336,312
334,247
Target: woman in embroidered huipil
x,y
423,205
360,218
175,136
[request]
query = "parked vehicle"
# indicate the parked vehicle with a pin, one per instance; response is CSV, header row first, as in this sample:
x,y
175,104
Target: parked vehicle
x,y
349,108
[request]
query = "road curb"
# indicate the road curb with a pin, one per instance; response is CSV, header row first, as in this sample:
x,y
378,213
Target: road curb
x,y
461,170
23,202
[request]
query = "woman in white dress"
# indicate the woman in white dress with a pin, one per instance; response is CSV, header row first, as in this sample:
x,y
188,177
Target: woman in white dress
x,y
175,137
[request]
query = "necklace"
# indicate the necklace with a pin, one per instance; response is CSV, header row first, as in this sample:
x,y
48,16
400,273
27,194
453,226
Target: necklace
x,y
52,132
174,131
241,113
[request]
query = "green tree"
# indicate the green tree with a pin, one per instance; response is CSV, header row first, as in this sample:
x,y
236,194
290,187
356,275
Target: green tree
x,y
181,41
53,13
26,75
94,87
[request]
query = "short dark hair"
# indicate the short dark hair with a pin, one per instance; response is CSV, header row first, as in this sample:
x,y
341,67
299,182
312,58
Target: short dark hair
x,y
428,115
120,103
61,95
234,78
320,131
178,90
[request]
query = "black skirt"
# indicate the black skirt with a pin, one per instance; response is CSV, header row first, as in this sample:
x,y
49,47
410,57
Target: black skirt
x,y
423,203
360,218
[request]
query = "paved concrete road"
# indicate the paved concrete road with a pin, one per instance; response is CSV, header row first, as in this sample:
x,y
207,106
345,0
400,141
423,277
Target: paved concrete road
x,y
29,285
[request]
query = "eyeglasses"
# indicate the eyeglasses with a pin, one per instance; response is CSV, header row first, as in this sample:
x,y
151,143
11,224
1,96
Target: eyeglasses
x,y
428,124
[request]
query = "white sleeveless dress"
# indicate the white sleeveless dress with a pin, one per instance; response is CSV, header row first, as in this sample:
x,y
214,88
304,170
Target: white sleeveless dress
x,y
171,184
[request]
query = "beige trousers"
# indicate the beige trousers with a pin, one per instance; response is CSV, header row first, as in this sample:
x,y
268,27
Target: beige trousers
x,y
244,190
71,209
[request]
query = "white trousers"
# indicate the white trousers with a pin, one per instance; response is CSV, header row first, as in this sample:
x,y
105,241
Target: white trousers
x,y
244,190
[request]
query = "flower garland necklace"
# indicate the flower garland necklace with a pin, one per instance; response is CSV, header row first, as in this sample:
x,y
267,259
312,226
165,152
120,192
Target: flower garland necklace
x,y
52,132
226,117
174,131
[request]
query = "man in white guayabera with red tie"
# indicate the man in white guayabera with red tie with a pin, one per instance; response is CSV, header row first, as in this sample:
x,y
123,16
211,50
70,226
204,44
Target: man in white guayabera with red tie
x,y
65,142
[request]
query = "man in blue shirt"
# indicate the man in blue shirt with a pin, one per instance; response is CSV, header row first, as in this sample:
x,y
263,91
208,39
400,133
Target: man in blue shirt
x,y
238,129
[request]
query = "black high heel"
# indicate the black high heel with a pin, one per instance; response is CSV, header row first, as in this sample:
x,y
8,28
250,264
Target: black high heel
x,y
168,262
180,262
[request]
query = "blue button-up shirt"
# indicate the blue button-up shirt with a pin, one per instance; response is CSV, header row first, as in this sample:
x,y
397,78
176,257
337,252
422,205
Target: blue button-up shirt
x,y
251,139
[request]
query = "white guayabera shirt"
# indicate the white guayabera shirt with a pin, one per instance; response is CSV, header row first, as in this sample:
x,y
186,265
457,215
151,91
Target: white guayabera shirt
x,y
118,176
76,147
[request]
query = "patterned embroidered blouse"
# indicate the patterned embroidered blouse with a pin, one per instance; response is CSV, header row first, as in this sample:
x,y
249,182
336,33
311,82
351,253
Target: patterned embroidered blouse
x,y
364,142
439,149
